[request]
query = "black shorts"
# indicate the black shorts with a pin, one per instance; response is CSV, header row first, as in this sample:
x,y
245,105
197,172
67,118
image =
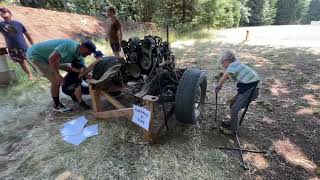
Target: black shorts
x,y
116,47
17,55
69,90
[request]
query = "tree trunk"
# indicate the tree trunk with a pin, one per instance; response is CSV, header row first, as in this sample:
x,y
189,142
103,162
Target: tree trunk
x,y
184,11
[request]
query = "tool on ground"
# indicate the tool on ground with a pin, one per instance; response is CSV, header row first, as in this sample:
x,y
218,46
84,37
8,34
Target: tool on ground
x,y
244,164
216,113
243,150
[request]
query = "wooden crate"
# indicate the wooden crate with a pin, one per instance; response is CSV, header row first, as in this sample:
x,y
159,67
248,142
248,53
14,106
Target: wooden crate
x,y
121,111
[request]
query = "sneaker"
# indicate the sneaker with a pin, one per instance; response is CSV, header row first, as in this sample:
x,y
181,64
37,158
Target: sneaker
x,y
226,131
61,108
84,106
226,124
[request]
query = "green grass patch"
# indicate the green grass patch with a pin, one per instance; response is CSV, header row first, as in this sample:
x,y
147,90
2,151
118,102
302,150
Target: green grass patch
x,y
22,85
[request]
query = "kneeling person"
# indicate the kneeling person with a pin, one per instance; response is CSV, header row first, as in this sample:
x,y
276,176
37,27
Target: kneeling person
x,y
73,81
73,87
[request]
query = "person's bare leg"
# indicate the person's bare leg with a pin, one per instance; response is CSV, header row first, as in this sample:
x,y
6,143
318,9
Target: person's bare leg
x,y
78,94
26,69
55,89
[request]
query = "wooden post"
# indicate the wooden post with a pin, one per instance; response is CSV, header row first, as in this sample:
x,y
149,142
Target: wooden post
x,y
150,135
111,100
247,35
95,96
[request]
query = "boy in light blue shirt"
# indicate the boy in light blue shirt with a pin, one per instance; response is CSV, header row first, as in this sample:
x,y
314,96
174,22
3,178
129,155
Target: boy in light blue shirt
x,y
247,81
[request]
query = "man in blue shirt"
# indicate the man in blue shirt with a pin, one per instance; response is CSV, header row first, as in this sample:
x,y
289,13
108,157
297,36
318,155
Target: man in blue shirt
x,y
13,32
50,56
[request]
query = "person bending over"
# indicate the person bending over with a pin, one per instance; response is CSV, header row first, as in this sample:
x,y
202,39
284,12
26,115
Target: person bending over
x,y
247,81
51,56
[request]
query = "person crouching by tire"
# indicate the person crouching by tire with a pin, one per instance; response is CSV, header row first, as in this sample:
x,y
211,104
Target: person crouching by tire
x,y
73,84
247,81
51,56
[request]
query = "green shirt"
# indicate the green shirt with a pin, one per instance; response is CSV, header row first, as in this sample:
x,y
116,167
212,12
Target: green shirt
x,y
242,73
67,48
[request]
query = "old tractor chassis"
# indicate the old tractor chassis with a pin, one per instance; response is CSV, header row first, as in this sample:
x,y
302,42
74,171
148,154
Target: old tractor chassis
x,y
148,73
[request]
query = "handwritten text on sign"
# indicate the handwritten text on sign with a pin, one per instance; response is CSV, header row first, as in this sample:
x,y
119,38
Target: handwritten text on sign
x,y
141,116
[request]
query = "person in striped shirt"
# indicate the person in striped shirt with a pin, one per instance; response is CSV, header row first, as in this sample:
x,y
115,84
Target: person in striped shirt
x,y
247,81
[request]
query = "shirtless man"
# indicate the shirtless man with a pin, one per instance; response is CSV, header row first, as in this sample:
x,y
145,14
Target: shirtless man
x,y
114,31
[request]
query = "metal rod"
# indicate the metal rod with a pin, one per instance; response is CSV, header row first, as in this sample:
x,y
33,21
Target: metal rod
x,y
216,104
167,32
243,150
244,165
216,113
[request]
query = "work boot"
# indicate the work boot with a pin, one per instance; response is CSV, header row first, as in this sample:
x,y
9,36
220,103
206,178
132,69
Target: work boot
x,y
226,124
84,106
61,108
226,131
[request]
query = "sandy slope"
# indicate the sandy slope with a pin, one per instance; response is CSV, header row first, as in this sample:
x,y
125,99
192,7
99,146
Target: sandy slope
x,y
276,36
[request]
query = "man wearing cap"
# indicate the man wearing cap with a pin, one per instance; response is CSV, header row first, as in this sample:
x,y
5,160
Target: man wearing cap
x,y
51,56
14,32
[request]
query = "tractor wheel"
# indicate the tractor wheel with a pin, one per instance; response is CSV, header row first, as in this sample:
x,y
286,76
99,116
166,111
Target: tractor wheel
x,y
190,96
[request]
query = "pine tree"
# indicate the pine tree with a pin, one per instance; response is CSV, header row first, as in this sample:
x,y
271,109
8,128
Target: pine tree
x,y
244,12
313,14
291,11
262,12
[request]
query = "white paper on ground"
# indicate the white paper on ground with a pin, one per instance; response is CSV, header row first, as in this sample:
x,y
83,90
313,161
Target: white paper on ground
x,y
90,131
75,139
74,127
141,116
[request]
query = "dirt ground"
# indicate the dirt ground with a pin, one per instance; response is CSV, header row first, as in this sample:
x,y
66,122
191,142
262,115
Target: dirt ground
x,y
285,121
46,24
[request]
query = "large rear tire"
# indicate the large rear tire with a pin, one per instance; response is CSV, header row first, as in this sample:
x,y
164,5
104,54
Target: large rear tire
x,y
190,96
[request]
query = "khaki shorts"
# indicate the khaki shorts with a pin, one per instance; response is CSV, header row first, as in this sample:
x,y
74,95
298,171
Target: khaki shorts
x,y
47,71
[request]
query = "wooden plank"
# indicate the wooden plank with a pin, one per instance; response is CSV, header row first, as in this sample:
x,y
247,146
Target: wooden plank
x,y
113,101
150,136
128,112
95,98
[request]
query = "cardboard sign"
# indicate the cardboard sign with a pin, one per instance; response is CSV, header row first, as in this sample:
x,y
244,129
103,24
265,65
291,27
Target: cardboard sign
x,y
141,116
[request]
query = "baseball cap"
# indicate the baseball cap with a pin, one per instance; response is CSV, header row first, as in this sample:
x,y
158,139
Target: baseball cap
x,y
4,10
98,54
90,45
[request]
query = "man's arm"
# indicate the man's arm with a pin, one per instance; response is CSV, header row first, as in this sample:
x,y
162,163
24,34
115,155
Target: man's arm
x,y
120,32
107,30
28,36
88,69
222,81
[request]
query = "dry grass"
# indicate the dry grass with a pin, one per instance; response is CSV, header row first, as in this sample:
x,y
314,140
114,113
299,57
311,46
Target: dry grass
x,y
34,148
294,154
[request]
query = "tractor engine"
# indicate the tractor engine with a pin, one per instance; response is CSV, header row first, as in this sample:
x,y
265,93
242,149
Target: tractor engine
x,y
143,55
